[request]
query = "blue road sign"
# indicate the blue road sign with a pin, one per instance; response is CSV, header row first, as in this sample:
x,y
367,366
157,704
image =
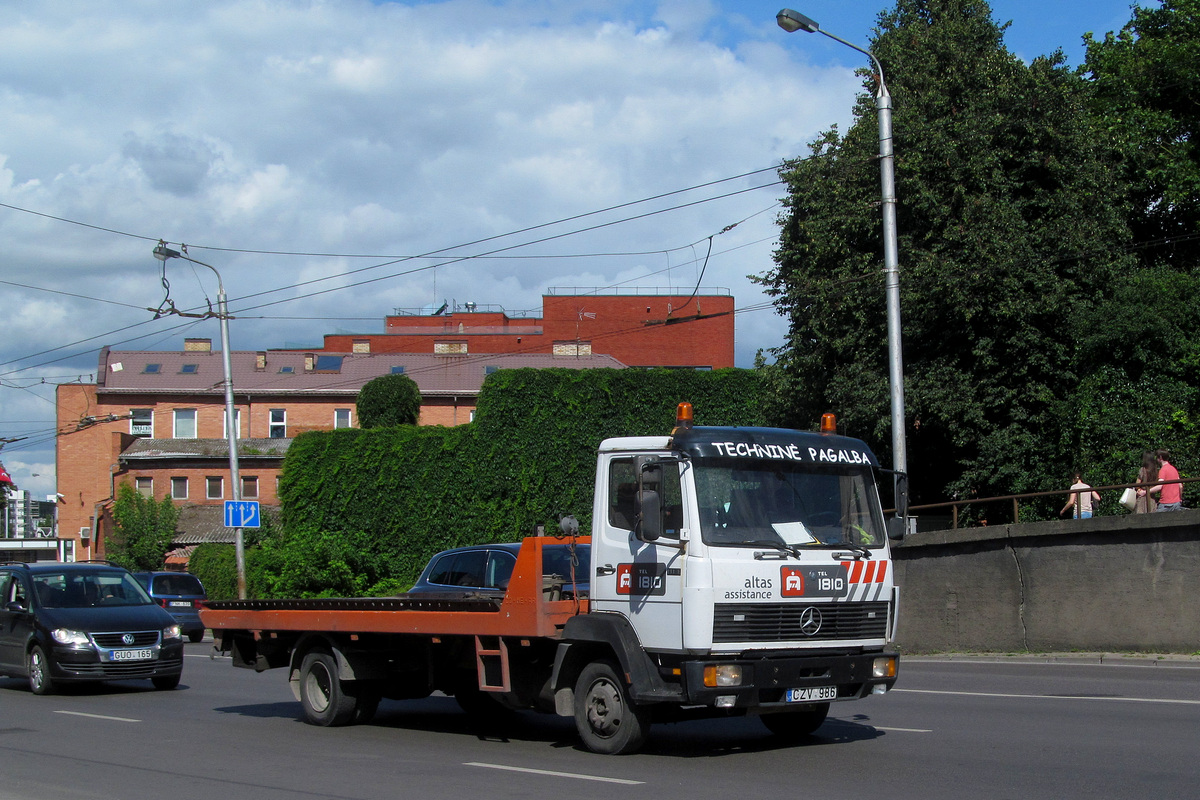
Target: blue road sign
x,y
242,514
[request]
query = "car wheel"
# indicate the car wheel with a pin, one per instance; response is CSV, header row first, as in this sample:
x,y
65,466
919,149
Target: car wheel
x,y
795,725
196,636
40,681
166,682
607,719
325,702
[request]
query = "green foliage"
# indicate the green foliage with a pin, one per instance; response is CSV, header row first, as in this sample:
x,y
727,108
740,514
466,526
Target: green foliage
x,y
388,400
216,564
143,532
365,509
1009,227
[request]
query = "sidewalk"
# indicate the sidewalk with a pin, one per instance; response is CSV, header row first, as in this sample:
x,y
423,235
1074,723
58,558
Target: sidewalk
x,y
1115,659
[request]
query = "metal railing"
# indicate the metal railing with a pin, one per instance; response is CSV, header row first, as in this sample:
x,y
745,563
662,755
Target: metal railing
x,y
955,505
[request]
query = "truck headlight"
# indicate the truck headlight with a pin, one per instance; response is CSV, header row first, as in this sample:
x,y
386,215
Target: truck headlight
x,y
722,675
884,667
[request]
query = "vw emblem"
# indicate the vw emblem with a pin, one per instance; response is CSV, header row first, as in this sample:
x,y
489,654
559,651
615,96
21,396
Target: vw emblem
x,y
810,621
128,638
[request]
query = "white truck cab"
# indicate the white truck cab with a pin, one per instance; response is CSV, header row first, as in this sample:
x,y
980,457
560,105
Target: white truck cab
x,y
751,568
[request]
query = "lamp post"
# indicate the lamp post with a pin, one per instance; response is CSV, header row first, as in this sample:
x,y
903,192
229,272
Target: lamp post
x,y
792,21
162,253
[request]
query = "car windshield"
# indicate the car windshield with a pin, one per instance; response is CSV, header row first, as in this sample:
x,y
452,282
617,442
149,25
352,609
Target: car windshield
x,y
179,584
800,505
83,589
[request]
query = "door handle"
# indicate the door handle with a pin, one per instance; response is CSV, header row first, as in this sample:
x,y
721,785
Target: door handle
x,y
607,569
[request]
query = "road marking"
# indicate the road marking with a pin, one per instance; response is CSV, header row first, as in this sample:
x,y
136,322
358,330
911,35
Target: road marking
x,y
903,730
1056,697
550,772
97,716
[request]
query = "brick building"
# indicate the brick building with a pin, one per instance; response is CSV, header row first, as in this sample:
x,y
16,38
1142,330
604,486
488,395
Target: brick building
x,y
639,330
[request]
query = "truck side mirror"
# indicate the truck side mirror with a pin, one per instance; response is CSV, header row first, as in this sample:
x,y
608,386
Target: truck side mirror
x,y
649,524
895,528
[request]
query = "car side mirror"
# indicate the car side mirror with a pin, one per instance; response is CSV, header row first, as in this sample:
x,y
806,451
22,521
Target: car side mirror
x,y
16,605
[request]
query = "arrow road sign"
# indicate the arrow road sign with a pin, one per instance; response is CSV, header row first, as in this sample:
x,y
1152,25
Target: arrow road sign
x,y
242,514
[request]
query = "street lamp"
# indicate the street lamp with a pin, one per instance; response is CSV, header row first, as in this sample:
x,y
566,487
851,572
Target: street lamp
x,y
162,253
792,21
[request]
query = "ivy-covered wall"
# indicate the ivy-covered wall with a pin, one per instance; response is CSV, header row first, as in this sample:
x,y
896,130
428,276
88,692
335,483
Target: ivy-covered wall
x,y
363,510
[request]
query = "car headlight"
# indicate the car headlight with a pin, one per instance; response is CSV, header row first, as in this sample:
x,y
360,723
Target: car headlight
x,y
171,632
69,637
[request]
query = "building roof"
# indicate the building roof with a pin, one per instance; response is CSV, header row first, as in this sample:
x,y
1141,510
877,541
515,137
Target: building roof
x,y
290,372
201,524
248,449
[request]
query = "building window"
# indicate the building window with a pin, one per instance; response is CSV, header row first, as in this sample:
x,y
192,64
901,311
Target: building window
x,y
179,489
237,423
152,369
185,423
144,486
397,370
214,487
572,348
287,370
450,348
277,428
488,370
249,487
341,418
328,364
472,419
189,369
141,421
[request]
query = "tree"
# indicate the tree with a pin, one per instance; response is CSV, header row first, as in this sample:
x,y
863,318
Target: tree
x,y
1009,227
1146,79
388,400
144,530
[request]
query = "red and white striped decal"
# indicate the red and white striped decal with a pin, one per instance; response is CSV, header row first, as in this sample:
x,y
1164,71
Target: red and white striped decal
x,y
865,579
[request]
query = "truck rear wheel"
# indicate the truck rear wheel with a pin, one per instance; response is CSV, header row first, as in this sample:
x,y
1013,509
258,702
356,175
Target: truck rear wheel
x,y
325,701
607,719
795,725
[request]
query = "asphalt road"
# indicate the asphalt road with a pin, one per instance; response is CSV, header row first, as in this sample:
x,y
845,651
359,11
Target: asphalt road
x,y
952,729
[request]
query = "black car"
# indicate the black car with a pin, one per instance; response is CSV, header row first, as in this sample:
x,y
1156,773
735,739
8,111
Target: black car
x,y
181,594
79,622
485,569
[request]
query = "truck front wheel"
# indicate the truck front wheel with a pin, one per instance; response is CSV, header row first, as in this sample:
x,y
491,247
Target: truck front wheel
x,y
607,719
325,702
794,725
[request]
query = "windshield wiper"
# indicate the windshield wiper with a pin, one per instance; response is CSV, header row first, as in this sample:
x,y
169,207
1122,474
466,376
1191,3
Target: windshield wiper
x,y
860,551
782,547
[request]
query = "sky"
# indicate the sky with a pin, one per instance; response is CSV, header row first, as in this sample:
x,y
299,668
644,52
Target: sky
x,y
336,161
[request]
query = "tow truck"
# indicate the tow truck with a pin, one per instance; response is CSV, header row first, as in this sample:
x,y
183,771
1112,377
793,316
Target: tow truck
x,y
733,571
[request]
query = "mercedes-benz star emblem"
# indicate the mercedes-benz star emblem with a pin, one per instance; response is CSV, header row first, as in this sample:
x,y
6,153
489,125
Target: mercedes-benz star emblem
x,y
810,621
128,638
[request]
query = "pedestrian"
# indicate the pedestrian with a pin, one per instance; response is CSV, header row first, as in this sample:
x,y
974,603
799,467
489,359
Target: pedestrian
x,y
1147,474
1168,488
1082,496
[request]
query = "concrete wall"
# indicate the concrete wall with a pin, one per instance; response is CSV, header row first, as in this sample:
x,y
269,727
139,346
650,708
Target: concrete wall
x,y
1129,583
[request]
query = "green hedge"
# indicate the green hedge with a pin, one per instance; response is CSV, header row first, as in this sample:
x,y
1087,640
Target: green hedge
x,y
363,510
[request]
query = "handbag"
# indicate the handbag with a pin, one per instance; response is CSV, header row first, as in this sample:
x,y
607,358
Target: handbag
x,y
1129,498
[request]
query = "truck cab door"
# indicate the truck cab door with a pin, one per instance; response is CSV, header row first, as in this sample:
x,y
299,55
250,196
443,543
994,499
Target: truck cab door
x,y
642,581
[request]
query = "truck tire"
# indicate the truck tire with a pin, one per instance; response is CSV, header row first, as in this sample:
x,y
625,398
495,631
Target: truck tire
x,y
40,681
608,721
325,701
795,725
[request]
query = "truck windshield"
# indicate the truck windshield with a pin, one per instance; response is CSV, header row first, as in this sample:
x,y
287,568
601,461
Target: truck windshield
x,y
800,505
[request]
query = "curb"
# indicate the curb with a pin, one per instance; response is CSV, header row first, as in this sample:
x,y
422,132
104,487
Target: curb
x,y
1177,660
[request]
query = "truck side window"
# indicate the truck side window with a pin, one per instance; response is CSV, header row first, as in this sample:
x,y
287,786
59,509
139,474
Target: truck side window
x,y
622,497
622,493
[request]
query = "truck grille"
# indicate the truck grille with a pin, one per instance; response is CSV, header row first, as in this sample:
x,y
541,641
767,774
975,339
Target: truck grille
x,y
786,622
